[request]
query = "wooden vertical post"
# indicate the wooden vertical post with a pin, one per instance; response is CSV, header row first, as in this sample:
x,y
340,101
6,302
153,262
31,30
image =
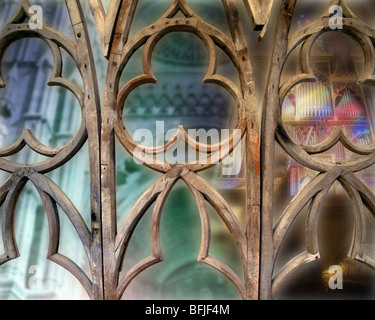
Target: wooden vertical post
x,y
250,113
93,123
271,114
117,27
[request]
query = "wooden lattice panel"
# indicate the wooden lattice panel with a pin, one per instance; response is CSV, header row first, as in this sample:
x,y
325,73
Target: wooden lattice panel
x,y
258,241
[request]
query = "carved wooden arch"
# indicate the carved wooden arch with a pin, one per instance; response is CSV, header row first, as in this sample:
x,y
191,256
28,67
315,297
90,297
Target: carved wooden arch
x,y
258,241
113,125
343,172
51,195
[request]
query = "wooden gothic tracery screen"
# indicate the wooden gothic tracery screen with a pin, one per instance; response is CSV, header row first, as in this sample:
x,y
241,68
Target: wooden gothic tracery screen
x,y
177,101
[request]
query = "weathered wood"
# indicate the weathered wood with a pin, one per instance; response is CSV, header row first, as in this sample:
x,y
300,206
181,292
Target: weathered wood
x,y
294,264
202,191
250,113
237,52
330,172
271,115
258,241
313,221
259,12
88,98
319,183
92,115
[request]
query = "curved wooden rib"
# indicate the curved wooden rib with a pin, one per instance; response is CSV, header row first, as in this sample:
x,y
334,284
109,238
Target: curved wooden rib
x,y
337,135
298,153
178,5
74,269
294,81
359,235
228,272
180,135
226,148
12,33
150,36
195,182
359,31
54,239
320,182
312,253
227,144
56,41
218,151
22,12
44,184
196,24
205,224
6,186
166,25
368,198
68,85
365,192
305,53
56,78
140,207
158,192
53,222
205,244
294,264
188,25
313,221
156,217
10,192
62,156
133,272
145,155
136,150
368,261
28,138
